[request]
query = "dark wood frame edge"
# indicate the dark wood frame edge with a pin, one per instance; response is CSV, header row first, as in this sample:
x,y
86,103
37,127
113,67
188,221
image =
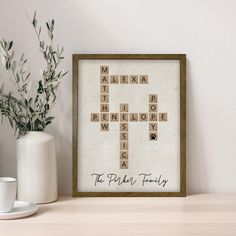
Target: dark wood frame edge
x,y
182,59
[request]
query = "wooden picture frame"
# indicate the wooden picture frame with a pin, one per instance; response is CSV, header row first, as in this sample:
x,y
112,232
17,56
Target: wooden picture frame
x,y
90,67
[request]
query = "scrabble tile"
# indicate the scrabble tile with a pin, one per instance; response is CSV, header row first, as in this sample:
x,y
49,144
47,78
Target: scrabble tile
x,y
133,117
104,117
114,116
123,164
152,136
124,155
123,117
152,98
104,98
143,116
114,79
152,107
162,116
104,79
152,116
124,107
133,79
104,69
124,146
124,79
124,126
152,126
143,79
104,126
104,88
104,107
123,136
94,117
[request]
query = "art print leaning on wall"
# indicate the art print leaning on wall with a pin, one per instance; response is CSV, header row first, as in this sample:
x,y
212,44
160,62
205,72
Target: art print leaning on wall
x,y
129,125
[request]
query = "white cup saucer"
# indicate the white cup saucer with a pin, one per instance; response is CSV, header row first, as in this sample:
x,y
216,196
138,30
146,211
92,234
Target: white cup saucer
x,y
21,209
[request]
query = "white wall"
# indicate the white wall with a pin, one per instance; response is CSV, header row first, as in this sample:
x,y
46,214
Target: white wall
x,y
204,30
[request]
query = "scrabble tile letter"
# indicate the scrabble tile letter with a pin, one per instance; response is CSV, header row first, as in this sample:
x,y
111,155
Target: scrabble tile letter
x,y
104,117
104,107
133,117
114,79
104,79
123,136
123,145
124,79
123,164
104,127
152,136
152,107
104,69
114,117
152,116
104,89
143,116
123,117
95,117
124,155
133,79
152,98
162,116
152,126
143,79
104,98
123,126
124,107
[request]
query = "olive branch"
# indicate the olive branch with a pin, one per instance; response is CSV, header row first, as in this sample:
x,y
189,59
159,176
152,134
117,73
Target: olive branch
x,y
31,113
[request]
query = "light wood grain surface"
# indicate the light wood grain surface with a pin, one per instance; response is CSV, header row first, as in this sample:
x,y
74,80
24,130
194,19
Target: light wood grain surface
x,y
206,214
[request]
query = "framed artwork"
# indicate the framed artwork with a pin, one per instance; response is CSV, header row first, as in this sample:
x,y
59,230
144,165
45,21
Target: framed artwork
x,y
129,120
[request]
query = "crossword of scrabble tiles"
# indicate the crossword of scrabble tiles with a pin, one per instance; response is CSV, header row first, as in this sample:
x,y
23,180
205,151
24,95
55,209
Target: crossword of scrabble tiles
x,y
123,118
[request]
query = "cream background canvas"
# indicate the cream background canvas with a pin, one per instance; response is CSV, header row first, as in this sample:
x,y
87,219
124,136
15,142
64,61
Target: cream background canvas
x,y
98,152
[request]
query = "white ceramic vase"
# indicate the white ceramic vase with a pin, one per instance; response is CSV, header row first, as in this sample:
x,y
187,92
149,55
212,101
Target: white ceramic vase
x,y
37,168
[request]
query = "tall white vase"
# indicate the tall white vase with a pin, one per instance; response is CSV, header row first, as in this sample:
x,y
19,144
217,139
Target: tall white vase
x,y
37,168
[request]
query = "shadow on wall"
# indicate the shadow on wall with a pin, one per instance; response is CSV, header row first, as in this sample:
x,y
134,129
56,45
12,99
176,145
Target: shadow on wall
x,y
195,153
61,130
7,150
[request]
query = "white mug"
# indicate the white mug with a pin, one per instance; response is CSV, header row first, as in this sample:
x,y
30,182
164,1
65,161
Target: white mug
x,y
7,194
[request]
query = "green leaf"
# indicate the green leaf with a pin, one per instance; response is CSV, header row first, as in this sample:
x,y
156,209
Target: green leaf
x,y
2,89
50,118
35,14
34,22
11,121
22,57
10,45
65,73
30,101
17,78
48,122
13,66
5,44
24,62
35,117
48,26
27,76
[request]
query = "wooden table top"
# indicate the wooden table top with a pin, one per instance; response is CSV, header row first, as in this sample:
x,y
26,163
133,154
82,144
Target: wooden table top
x,y
204,214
